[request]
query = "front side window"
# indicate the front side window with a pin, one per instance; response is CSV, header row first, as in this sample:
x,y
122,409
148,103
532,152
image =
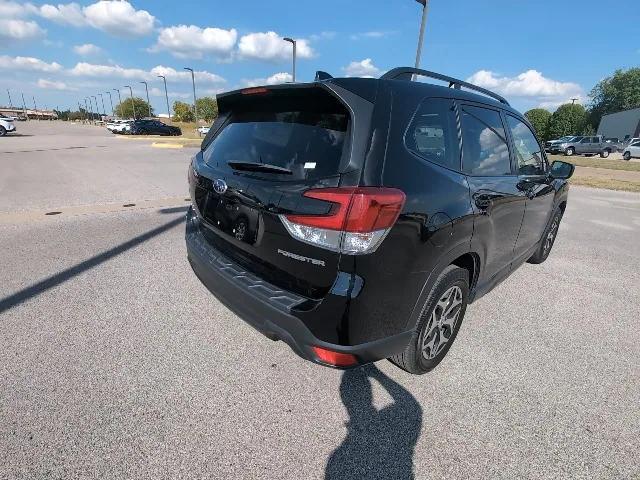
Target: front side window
x,y
585,140
484,144
433,134
527,150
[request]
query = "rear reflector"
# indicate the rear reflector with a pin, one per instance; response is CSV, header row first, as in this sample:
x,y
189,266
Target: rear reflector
x,y
336,359
359,220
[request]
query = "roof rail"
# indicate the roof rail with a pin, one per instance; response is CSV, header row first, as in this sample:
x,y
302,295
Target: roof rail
x,y
405,73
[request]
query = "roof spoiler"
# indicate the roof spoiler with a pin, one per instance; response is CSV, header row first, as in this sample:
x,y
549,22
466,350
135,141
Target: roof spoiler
x,y
406,73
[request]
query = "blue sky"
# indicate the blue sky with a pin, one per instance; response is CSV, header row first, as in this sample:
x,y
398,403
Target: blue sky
x,y
536,53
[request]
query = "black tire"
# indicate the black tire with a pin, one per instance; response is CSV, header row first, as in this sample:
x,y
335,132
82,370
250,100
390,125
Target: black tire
x,y
544,249
626,156
3,131
604,153
456,280
569,151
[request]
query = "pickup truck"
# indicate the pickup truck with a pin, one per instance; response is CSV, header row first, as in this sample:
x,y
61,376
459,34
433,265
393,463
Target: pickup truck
x,y
587,146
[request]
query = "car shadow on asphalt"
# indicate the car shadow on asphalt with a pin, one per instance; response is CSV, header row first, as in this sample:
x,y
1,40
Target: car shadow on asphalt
x,y
61,277
379,443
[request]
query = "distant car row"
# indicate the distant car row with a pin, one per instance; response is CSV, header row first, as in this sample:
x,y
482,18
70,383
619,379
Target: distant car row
x,y
142,126
589,146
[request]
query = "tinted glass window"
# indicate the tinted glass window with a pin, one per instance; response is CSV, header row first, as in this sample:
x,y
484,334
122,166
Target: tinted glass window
x,y
527,151
433,133
585,140
484,143
308,143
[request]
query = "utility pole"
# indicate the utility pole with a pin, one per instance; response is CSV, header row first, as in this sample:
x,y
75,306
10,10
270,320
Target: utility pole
x,y
293,42
573,100
146,88
132,102
110,101
425,9
166,95
195,106
10,103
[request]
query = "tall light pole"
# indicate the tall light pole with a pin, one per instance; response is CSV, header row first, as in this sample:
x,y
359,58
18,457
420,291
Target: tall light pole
x,y
24,107
35,107
80,112
10,103
195,106
293,42
146,88
104,112
96,100
110,101
425,9
132,102
166,94
90,110
119,97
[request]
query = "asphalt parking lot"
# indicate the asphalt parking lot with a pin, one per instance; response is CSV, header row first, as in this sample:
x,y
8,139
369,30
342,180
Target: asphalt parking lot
x,y
116,362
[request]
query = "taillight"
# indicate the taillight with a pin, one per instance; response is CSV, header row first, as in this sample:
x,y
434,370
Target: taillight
x,y
358,222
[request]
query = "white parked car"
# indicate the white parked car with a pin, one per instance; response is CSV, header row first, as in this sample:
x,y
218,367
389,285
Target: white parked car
x,y
203,130
6,125
632,150
119,126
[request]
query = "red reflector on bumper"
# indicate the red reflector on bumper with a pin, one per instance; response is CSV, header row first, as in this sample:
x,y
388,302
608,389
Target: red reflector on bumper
x,y
335,358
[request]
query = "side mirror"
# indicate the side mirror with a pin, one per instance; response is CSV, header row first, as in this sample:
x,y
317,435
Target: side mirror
x,y
562,170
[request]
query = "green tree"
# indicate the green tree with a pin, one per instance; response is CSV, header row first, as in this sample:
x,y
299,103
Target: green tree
x,y
207,108
182,112
539,119
126,108
621,91
568,119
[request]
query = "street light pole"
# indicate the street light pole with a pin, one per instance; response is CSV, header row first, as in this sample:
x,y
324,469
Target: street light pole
x,y
146,88
132,102
10,102
119,98
97,109
88,101
110,101
425,9
293,42
166,94
104,112
24,107
35,107
195,106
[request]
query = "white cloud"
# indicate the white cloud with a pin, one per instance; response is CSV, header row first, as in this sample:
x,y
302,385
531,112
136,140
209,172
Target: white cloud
x,y
527,84
363,68
17,30
10,9
119,18
159,92
276,78
271,46
83,69
27,64
64,14
87,50
371,34
52,85
325,35
554,104
193,42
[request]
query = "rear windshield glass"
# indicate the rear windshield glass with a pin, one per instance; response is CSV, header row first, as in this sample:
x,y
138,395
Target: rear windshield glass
x,y
309,144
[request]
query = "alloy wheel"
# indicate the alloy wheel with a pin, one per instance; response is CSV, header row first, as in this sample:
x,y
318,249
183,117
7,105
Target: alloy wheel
x,y
551,236
442,323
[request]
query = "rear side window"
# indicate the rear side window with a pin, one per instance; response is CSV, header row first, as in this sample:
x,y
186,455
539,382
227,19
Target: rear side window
x,y
527,150
433,134
484,144
309,142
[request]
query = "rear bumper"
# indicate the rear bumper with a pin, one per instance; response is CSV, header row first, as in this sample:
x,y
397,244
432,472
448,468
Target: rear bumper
x,y
267,308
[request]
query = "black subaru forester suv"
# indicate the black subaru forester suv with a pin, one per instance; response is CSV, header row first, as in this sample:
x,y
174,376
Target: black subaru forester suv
x,y
355,218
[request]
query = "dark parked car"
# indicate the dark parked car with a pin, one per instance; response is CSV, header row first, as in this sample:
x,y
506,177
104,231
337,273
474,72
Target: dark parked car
x,y
153,127
374,210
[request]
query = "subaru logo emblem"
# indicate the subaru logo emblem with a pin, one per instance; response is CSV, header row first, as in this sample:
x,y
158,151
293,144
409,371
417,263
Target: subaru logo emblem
x,y
220,186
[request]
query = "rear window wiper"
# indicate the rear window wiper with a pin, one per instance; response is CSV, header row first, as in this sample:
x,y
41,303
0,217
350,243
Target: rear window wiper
x,y
259,167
